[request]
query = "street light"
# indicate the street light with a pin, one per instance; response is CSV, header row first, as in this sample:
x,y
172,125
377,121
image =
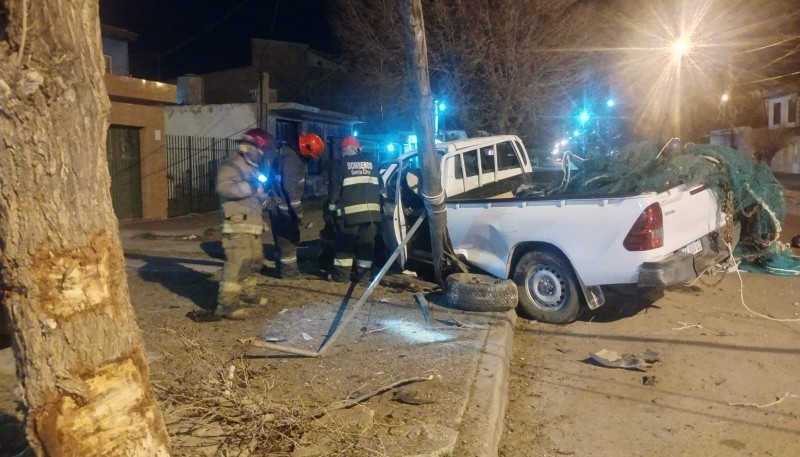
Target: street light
x,y
681,47
725,97
438,107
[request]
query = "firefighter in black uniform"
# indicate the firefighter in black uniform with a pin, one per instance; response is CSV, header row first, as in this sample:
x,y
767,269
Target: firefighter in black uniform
x,y
355,200
286,180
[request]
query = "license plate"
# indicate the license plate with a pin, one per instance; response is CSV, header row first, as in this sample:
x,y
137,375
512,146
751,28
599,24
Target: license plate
x,y
693,248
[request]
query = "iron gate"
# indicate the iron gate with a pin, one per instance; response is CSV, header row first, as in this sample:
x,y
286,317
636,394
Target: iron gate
x,y
192,164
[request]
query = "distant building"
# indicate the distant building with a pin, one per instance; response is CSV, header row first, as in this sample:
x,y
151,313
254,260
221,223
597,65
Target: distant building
x,y
115,49
782,107
782,110
287,89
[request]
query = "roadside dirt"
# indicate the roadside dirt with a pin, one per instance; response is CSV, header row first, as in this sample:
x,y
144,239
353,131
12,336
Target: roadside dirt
x,y
727,381
222,398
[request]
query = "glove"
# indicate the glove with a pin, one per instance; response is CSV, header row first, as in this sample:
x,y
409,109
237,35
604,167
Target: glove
x,y
330,214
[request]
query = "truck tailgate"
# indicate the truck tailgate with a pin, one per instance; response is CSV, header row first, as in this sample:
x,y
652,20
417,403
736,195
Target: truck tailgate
x,y
689,214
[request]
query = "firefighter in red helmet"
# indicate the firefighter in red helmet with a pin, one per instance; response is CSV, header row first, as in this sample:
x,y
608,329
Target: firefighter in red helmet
x,y
354,197
286,178
241,197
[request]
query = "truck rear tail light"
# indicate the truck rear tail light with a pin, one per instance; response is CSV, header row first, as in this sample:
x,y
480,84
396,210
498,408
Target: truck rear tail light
x,y
648,230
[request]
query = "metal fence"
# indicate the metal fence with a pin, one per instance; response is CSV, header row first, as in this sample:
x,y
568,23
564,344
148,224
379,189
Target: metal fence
x,y
192,164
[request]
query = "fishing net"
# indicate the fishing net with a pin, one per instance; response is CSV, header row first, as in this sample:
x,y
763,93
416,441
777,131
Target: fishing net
x,y
747,191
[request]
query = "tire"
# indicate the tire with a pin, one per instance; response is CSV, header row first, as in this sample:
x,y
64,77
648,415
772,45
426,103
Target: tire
x,y
548,288
474,292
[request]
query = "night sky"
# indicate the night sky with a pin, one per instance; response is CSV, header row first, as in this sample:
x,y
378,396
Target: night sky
x,y
183,36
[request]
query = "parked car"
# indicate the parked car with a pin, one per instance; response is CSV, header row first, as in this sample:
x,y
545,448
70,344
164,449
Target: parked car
x,y
560,250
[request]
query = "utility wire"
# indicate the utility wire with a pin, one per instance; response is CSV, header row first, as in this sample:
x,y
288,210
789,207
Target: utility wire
x,y
202,32
768,79
771,45
195,36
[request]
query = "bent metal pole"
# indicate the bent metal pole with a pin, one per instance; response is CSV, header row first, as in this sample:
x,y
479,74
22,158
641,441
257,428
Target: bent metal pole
x,y
345,320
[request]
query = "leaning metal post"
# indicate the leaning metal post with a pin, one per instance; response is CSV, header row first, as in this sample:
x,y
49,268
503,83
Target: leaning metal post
x,y
345,320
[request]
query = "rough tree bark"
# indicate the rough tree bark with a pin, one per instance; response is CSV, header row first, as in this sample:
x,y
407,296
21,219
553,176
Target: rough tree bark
x,y
79,352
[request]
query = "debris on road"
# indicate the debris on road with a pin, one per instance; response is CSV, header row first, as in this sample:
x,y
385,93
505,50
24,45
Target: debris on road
x,y
349,402
307,337
651,356
613,359
756,405
409,397
648,380
424,307
685,325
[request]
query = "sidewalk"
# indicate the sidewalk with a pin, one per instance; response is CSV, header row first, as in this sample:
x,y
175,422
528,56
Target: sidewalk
x,y
474,422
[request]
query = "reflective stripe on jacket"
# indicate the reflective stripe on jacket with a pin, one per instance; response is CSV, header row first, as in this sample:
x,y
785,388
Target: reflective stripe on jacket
x,y
240,196
355,189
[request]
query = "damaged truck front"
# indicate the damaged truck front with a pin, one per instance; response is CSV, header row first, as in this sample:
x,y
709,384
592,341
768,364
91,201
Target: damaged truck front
x,y
560,250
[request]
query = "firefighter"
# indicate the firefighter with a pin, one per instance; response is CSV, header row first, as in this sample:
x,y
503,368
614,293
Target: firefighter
x,y
355,200
241,197
286,181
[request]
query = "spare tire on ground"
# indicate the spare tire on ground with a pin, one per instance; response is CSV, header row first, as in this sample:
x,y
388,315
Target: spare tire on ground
x,y
475,292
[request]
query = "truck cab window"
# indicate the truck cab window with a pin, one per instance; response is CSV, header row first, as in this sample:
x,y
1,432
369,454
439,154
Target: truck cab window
x,y
506,157
487,160
471,163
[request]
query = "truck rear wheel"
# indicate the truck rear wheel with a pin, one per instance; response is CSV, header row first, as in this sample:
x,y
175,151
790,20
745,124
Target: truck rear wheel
x,y
547,287
474,292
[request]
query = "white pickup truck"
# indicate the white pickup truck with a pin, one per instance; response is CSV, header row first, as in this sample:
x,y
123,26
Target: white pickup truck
x,y
560,250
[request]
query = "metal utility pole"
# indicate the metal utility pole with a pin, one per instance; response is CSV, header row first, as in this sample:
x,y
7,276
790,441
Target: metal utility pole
x,y
432,192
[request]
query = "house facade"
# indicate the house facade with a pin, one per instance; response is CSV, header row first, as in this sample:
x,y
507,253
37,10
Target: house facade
x,y
135,140
783,124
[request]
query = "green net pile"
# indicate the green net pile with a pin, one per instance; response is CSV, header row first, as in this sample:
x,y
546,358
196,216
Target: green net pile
x,y
747,191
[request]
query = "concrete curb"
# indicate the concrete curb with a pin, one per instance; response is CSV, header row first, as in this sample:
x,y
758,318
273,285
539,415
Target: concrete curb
x,y
483,420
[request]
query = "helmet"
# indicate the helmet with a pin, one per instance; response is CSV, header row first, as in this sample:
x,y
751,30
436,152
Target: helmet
x,y
350,141
311,145
259,138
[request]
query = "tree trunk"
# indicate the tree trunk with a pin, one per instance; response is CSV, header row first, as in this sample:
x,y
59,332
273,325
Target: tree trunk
x,y
432,193
79,352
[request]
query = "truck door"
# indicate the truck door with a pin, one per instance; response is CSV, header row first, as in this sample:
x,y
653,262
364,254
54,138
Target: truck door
x,y
393,226
404,203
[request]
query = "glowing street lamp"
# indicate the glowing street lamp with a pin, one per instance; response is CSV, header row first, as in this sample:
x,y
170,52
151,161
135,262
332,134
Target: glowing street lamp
x,y
725,97
584,117
681,47
438,107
